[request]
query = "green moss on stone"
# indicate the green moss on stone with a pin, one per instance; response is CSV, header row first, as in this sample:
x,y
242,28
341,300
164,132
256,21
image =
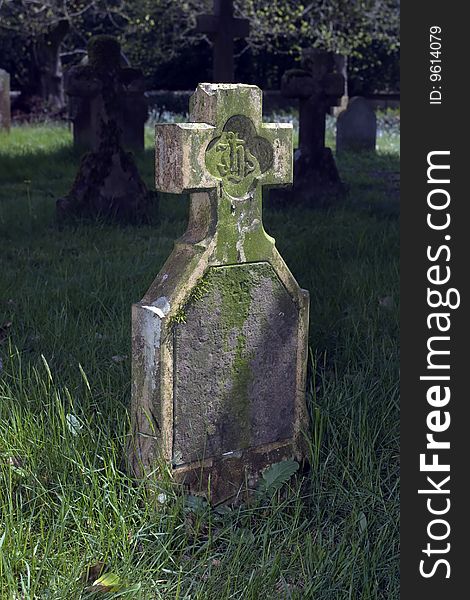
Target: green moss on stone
x,y
241,378
198,292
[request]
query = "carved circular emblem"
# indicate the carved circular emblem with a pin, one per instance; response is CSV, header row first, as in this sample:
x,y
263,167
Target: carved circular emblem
x,y
239,156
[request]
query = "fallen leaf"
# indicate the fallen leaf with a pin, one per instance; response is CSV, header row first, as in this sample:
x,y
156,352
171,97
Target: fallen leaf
x,y
16,465
93,572
73,423
362,520
109,582
117,358
15,461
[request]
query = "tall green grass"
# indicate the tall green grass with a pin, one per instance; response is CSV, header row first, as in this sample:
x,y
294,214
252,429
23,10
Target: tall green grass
x,y
66,502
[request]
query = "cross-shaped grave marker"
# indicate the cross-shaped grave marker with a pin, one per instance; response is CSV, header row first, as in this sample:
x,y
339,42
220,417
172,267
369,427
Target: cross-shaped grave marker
x,y
220,338
318,87
108,183
103,90
222,28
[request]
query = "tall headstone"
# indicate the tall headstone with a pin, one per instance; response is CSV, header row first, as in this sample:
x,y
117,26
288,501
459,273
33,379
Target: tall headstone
x,y
5,116
220,338
318,87
356,127
108,184
89,88
222,28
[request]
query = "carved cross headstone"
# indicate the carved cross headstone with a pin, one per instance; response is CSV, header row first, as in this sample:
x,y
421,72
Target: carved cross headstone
x,y
318,87
220,338
5,116
356,127
222,28
108,184
104,89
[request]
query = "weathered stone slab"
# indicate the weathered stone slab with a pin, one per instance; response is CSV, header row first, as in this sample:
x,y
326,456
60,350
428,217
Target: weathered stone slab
x,y
245,323
220,338
5,116
356,127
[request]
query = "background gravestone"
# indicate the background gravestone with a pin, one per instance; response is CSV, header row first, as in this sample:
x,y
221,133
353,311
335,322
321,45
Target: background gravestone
x,y
222,28
318,87
89,88
108,184
356,127
5,116
220,338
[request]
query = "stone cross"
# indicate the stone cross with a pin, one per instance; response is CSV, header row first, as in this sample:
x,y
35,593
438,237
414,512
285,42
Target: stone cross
x,y
356,127
220,338
108,184
222,29
5,116
104,89
318,87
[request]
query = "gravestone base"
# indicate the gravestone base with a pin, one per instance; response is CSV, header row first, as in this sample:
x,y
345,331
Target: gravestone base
x,y
235,476
317,183
108,186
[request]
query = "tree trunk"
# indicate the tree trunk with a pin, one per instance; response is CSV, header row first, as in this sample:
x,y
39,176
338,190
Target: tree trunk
x,y
49,65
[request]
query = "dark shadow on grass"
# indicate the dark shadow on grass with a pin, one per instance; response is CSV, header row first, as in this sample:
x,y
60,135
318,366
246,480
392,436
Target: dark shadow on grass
x,y
372,181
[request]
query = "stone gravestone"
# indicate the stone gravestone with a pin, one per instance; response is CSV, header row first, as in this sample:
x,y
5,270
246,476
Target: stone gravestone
x,y
356,127
87,87
220,338
108,184
5,117
222,29
318,87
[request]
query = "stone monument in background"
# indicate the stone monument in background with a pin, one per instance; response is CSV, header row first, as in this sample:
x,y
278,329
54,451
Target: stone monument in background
x,y
222,28
220,338
89,88
108,184
356,127
318,87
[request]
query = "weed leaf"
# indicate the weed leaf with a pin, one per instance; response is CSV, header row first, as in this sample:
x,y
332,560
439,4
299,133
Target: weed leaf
x,y
276,476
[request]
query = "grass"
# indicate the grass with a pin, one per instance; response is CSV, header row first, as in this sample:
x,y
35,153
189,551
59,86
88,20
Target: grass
x,y
66,502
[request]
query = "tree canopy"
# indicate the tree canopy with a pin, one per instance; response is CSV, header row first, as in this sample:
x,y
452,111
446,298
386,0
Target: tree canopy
x,y
159,36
